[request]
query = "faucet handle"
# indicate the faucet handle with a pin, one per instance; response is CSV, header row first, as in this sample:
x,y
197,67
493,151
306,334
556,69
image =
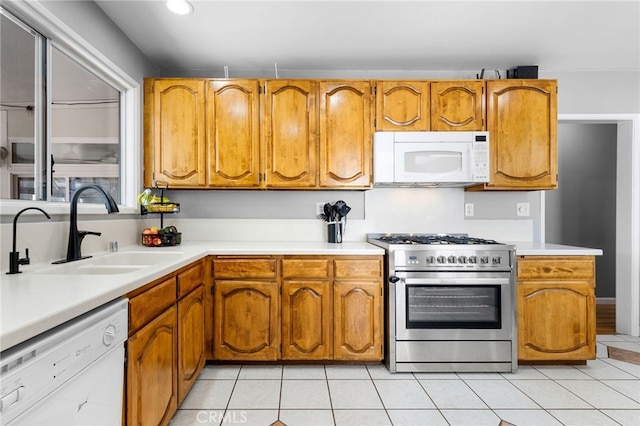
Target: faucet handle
x,y
25,260
85,233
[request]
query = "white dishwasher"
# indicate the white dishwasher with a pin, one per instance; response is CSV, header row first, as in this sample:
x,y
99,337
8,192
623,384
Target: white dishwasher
x,y
72,374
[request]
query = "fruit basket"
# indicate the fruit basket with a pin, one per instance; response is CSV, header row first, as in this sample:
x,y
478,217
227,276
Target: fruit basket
x,y
160,208
154,237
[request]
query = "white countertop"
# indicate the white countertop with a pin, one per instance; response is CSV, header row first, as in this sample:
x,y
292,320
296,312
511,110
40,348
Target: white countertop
x,y
35,300
530,248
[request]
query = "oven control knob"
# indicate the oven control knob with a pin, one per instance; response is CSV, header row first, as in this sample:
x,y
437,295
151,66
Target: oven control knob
x,y
451,259
431,259
394,279
497,260
484,259
462,259
473,259
442,259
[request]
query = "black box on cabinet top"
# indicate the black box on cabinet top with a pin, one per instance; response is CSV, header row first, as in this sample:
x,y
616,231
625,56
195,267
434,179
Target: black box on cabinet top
x,y
523,71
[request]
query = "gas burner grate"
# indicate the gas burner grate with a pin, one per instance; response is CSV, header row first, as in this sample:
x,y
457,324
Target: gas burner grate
x,y
435,239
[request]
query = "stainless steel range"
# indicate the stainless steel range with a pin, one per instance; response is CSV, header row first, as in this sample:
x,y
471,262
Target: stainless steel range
x,y
450,303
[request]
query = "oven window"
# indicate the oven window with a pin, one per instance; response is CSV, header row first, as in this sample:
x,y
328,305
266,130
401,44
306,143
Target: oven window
x,y
456,306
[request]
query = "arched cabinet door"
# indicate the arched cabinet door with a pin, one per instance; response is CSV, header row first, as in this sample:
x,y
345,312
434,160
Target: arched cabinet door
x,y
522,120
346,134
290,133
402,106
246,325
233,133
175,142
457,105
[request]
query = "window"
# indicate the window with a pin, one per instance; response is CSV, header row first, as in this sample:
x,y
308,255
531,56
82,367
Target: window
x,y
65,115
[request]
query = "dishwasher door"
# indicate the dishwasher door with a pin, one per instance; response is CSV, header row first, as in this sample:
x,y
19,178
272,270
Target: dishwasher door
x,y
92,397
70,375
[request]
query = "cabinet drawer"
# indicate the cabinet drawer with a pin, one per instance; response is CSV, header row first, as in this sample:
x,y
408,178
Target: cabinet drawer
x,y
555,267
305,268
148,305
358,268
244,268
190,279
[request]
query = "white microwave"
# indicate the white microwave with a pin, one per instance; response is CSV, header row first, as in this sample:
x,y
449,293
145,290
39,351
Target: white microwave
x,y
446,159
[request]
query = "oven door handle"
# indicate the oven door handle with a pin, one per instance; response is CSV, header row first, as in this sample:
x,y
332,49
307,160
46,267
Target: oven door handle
x,y
455,281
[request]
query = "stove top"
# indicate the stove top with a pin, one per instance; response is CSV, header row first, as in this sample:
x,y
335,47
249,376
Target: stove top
x,y
430,239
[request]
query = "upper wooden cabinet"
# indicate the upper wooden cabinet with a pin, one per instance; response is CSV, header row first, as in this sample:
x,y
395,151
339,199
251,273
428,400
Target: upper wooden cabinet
x,y
290,133
522,120
457,105
402,105
233,133
175,142
346,134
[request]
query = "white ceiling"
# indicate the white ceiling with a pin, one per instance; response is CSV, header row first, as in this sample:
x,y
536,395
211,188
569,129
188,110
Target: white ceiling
x,y
306,36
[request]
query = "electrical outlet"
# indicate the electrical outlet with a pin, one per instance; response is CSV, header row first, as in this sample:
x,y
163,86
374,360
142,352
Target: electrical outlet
x,y
319,208
468,209
522,209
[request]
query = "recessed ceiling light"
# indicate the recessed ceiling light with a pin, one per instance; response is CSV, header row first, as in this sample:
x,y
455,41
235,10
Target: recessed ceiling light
x,y
180,7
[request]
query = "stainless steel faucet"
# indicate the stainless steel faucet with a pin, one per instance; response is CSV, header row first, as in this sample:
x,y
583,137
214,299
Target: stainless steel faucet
x,y
75,236
14,256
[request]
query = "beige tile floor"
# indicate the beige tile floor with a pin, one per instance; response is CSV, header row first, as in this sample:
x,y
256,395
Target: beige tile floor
x,y
603,392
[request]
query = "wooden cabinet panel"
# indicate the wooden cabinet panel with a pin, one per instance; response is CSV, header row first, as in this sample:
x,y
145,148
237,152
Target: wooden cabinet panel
x,y
457,105
556,308
358,268
246,325
175,144
152,392
233,133
305,267
148,305
245,268
402,105
357,316
190,279
191,339
522,119
551,267
556,322
345,134
290,132
306,320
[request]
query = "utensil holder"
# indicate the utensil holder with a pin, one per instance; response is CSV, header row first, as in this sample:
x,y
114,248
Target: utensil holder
x,y
334,232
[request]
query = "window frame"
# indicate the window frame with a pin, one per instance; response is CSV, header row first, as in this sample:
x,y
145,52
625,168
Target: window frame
x,y
68,41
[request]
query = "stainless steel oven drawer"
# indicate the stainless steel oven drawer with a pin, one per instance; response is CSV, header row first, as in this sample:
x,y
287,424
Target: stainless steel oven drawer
x,y
453,351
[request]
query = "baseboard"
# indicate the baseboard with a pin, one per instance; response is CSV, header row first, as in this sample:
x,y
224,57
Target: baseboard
x,y
623,355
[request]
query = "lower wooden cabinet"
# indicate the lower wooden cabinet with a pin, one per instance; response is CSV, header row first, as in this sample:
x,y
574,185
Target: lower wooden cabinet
x,y
296,308
357,319
152,365
191,354
165,349
556,308
246,320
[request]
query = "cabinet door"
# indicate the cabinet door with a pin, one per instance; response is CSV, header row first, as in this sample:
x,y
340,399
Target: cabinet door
x,y
457,105
175,144
233,134
306,320
152,389
402,105
357,316
246,325
290,133
522,120
190,340
345,134
556,321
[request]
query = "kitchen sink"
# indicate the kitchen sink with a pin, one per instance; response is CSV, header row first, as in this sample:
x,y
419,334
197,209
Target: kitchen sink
x,y
74,268
137,258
